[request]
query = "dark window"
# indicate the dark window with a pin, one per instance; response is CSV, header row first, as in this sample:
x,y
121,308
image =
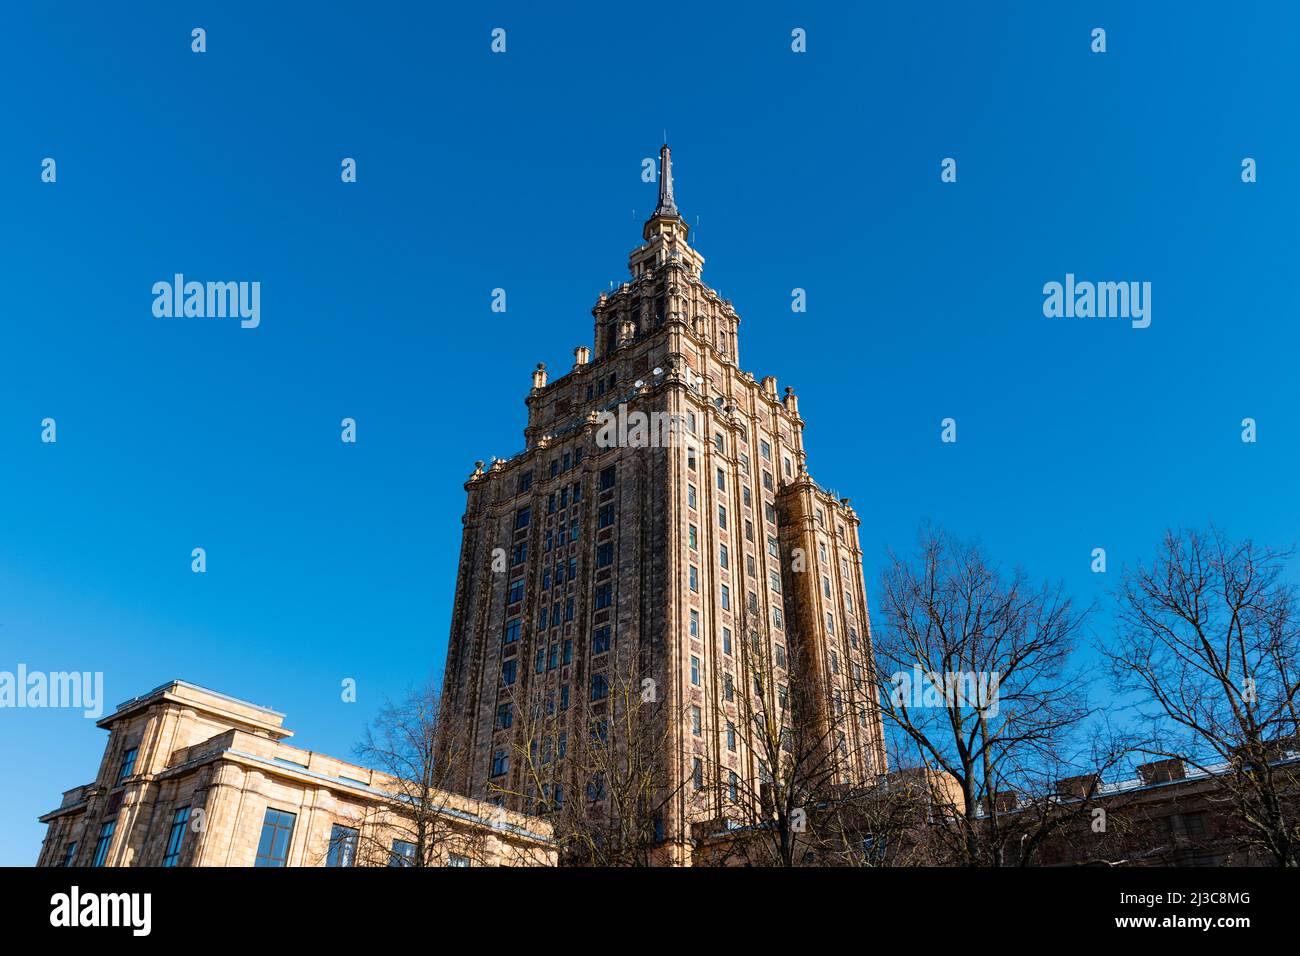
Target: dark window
x,y
343,846
277,831
176,836
512,631
599,687
605,555
600,640
606,517
505,715
508,672
525,481
523,516
500,763
403,854
607,478
69,853
128,763
101,845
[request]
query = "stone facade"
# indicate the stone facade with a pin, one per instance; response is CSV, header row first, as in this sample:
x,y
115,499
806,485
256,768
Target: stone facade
x,y
191,777
678,532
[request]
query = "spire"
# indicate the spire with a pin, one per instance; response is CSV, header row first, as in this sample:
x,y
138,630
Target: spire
x,y
666,205
666,217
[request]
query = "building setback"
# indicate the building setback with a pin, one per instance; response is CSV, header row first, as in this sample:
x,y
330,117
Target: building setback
x,y
191,777
606,551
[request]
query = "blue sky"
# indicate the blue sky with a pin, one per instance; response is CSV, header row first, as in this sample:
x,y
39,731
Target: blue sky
x,y
522,171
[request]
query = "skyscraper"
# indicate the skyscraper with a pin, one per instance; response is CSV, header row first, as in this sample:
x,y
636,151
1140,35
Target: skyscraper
x,y
659,532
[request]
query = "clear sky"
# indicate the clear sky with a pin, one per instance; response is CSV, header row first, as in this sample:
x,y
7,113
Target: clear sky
x,y
522,170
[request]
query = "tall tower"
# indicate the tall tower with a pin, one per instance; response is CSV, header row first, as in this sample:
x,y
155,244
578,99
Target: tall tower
x,y
700,557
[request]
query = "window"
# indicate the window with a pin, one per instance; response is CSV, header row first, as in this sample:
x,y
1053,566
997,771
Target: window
x,y
517,590
101,845
277,830
505,716
722,480
697,773
780,655
525,482
726,640
777,619
769,512
733,786
690,496
577,485
835,663
605,517
605,555
830,623
728,687
567,656
694,577
695,623
343,846
773,547
775,580
402,854
500,763
744,463
731,736
696,720
695,670
724,559
765,450
785,462
509,671
767,480
456,859
523,516
541,619
607,478
826,586
722,516
512,631
718,442
176,836
600,640
69,854
539,661
751,567
749,530
564,702
726,598
853,636
604,596
520,554
128,763
568,609
692,535
599,687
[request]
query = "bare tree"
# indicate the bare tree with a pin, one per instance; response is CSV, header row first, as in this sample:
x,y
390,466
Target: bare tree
x,y
973,668
599,771
783,802
1208,634
417,820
